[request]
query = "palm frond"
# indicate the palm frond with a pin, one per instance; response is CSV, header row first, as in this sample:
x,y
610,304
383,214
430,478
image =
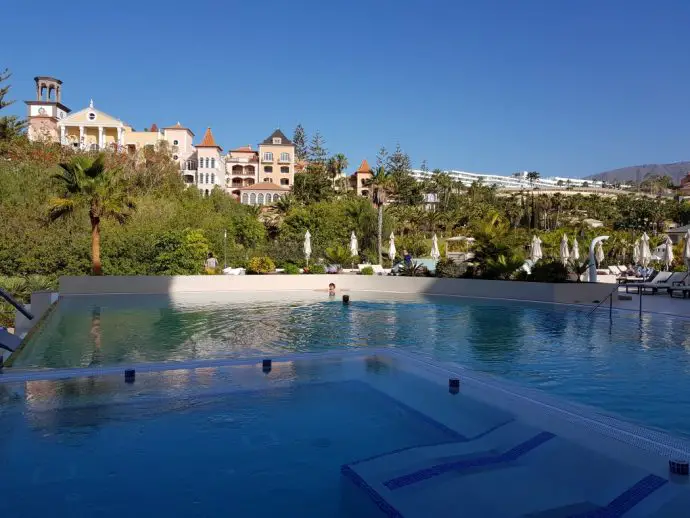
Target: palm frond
x,y
60,207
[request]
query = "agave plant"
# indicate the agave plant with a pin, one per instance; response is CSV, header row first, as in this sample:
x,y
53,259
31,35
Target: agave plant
x,y
413,269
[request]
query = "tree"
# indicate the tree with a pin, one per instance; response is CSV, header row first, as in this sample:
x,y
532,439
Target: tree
x,y
317,152
398,162
180,252
11,126
299,139
88,184
381,184
336,165
313,185
382,158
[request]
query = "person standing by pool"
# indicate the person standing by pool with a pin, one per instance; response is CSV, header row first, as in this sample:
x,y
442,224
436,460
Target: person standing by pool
x,y
211,264
407,258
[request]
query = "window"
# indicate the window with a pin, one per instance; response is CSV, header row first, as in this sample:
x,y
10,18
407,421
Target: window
x,y
213,178
208,162
245,198
267,180
276,197
268,169
206,193
285,169
206,177
92,116
277,140
268,157
175,157
252,199
213,163
176,142
260,199
284,181
285,157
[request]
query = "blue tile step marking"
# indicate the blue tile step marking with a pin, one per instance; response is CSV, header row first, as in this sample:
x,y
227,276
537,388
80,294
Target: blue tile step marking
x,y
386,508
627,499
477,462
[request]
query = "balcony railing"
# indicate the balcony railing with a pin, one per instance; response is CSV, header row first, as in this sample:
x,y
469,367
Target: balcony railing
x,y
241,160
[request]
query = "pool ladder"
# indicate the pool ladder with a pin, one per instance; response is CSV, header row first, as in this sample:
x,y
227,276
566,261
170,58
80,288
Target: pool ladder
x,y
610,297
8,341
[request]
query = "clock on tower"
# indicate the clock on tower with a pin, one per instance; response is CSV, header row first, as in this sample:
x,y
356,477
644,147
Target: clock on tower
x,y
46,110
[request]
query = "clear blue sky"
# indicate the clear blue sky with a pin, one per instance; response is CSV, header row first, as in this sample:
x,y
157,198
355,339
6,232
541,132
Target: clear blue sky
x,y
565,88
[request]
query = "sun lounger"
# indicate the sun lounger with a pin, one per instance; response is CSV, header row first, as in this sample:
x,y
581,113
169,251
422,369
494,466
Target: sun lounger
x,y
682,287
658,279
652,288
615,270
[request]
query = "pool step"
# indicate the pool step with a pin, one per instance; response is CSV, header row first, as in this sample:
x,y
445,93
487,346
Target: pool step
x,y
513,471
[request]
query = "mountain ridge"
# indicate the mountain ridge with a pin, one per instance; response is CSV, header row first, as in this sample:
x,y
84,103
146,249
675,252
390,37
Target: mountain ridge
x,y
637,173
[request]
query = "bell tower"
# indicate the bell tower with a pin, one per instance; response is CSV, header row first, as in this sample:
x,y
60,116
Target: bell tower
x,y
45,112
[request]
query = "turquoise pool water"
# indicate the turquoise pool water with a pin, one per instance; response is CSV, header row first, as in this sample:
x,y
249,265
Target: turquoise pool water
x,y
639,369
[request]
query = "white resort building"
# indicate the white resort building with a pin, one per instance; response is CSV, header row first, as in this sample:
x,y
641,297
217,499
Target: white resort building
x,y
517,181
253,177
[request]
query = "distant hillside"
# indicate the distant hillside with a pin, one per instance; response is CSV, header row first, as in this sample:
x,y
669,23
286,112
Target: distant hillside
x,y
636,173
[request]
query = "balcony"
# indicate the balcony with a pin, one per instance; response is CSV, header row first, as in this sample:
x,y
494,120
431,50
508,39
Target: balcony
x,y
240,160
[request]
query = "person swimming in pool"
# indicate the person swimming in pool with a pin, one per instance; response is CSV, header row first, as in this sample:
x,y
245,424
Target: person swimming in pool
x,y
331,289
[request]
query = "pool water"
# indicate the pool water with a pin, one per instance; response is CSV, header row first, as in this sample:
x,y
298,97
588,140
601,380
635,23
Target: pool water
x,y
637,368
341,436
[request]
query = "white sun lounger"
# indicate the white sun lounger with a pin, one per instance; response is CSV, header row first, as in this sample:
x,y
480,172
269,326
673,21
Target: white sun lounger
x,y
662,280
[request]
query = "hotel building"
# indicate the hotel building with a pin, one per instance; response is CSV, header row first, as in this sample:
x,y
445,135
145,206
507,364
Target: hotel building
x,y
253,177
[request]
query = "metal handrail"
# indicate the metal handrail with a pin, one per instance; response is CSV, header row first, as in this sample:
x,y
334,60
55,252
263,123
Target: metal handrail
x,y
16,304
610,297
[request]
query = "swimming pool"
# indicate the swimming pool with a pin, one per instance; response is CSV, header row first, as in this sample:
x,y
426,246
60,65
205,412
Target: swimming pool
x,y
637,368
350,435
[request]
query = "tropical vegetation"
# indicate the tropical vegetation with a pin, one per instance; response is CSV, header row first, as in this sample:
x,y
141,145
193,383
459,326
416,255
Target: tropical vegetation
x,y
64,212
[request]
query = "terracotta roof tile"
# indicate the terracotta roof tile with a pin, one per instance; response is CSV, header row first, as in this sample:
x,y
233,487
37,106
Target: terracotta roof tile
x,y
208,140
264,186
244,149
364,167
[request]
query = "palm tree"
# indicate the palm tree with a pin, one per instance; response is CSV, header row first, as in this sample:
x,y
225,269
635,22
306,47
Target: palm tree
x,y
380,184
336,165
89,184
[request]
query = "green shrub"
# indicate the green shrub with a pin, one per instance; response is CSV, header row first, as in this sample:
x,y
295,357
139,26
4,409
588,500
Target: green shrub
x,y
414,270
291,269
367,270
259,265
448,268
316,269
415,244
548,271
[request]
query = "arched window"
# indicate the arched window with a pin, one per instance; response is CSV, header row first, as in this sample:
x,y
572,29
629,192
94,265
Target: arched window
x,y
206,177
276,197
267,180
245,198
213,178
208,162
285,157
252,199
284,181
213,163
260,199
